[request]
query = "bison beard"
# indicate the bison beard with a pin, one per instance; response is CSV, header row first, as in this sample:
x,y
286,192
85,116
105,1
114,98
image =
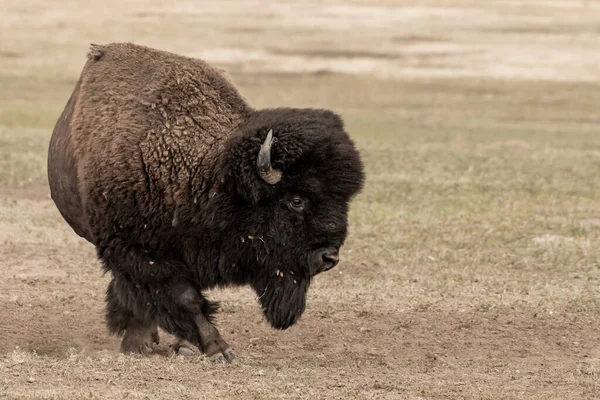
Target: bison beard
x,y
282,290
283,299
182,186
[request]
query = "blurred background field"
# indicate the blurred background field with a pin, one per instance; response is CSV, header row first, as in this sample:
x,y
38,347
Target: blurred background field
x,y
473,265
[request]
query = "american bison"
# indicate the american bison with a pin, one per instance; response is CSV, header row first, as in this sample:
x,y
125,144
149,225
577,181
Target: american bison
x,y
181,186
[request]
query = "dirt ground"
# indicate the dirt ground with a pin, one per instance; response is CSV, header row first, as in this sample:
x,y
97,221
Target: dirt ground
x,y
472,270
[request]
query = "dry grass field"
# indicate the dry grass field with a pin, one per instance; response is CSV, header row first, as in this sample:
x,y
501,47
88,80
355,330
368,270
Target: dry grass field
x,y
472,270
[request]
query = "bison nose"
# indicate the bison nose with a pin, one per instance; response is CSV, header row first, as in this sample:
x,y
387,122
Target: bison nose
x,y
329,257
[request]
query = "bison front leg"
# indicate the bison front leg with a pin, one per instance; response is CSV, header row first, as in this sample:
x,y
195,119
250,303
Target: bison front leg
x,y
213,345
210,341
147,290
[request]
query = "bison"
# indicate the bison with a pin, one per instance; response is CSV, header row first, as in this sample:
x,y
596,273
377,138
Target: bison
x,y
181,186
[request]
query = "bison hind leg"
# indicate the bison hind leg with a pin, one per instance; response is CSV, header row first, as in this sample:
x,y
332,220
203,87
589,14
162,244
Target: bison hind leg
x,y
139,338
138,334
117,315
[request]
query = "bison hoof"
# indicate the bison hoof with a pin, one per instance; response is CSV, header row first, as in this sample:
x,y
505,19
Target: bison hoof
x,y
219,355
139,340
186,351
182,348
144,349
229,355
226,357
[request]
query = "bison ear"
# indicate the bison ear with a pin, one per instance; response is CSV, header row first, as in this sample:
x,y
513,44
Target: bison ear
x,y
250,165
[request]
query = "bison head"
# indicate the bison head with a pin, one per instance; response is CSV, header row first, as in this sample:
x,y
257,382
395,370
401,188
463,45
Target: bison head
x,y
289,177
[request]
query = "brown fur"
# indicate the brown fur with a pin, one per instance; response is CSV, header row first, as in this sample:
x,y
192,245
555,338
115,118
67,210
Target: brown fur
x,y
176,146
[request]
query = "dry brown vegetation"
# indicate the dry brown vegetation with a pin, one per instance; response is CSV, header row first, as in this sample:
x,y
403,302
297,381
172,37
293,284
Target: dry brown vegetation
x,y
473,265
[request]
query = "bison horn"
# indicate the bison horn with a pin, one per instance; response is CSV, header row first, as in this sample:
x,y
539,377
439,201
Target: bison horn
x,y
263,162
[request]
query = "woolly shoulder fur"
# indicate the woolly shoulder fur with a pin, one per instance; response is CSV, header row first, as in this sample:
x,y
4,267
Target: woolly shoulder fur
x,y
152,122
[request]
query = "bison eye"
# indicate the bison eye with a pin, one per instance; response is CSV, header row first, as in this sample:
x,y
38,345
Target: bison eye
x,y
297,203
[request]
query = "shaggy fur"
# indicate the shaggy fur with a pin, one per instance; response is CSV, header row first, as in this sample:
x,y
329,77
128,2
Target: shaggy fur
x,y
154,162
